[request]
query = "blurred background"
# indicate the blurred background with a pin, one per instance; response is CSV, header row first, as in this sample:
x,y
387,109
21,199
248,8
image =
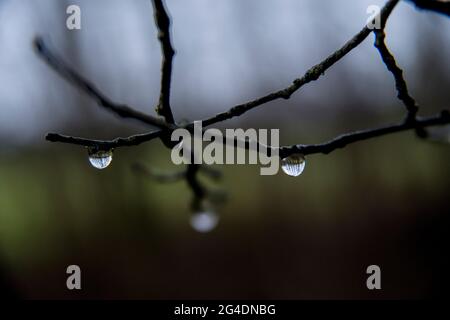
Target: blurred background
x,y
382,202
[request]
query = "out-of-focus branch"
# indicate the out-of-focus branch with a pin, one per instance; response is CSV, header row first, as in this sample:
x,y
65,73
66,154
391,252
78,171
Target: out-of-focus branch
x,y
159,176
193,182
162,22
191,175
349,138
79,81
440,6
211,172
200,191
175,176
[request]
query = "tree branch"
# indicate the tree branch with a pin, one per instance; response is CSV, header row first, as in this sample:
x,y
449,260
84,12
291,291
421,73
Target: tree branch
x,y
400,83
339,142
311,75
103,144
79,81
349,138
162,22
164,109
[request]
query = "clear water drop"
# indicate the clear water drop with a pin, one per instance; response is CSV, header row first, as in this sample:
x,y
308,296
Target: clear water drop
x,y
204,221
100,159
293,165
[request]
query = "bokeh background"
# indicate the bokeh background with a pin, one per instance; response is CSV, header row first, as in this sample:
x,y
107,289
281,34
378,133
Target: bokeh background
x,y
384,201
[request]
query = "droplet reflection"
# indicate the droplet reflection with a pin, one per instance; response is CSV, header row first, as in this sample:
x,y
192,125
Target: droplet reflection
x,y
293,165
100,159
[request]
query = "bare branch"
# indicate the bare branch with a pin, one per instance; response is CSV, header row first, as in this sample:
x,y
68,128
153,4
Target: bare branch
x,y
71,75
311,75
400,83
162,21
325,148
346,139
104,144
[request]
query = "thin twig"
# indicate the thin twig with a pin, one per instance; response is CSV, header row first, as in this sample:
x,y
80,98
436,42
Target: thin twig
x,y
400,83
349,138
162,22
103,144
192,180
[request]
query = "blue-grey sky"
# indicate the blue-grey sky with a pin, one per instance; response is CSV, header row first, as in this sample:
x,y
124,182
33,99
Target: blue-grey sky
x,y
228,51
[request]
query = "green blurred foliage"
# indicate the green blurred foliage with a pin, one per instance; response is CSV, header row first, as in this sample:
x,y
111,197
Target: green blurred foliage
x,y
55,209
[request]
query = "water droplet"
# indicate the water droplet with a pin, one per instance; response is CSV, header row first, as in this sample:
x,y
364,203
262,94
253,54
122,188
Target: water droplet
x,y
293,165
204,221
100,159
